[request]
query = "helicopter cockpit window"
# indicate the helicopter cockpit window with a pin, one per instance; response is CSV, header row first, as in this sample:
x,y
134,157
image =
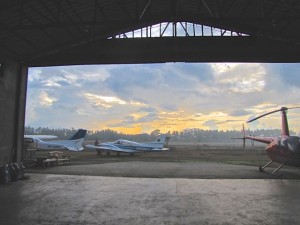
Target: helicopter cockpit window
x,y
291,143
283,142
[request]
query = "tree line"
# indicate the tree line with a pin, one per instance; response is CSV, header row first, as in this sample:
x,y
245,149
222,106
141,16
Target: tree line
x,y
189,135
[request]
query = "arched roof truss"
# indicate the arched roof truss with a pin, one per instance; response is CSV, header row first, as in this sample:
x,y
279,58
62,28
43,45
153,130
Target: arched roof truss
x,y
66,32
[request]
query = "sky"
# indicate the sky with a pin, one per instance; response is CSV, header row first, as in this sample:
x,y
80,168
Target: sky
x,y
139,98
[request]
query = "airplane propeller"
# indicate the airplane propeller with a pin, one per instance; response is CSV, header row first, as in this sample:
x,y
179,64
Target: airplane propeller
x,y
278,110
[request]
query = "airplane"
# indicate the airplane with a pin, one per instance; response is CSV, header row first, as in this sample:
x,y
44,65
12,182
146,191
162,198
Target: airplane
x,y
284,149
72,144
131,147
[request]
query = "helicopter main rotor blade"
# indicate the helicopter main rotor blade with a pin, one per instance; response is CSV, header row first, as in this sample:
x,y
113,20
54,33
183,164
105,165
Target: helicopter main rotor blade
x,y
298,107
256,118
278,110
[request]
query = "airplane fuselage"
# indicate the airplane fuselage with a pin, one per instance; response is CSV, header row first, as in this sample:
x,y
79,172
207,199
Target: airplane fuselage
x,y
48,145
126,146
134,146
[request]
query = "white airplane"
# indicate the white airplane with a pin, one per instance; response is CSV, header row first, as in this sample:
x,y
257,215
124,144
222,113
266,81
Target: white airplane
x,y
73,144
125,146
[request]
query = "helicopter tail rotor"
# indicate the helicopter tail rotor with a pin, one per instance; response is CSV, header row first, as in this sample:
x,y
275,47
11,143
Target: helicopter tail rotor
x,y
252,141
243,138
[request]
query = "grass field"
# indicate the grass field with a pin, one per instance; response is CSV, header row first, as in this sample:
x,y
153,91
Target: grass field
x,y
179,152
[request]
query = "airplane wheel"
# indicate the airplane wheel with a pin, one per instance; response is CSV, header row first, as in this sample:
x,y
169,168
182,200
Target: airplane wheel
x,y
260,169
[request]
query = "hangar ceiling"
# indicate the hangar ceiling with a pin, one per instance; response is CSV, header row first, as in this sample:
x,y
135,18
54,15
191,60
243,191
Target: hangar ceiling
x,y
67,32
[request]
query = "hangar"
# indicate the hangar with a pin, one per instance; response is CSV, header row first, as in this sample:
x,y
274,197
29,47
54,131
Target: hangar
x,y
72,32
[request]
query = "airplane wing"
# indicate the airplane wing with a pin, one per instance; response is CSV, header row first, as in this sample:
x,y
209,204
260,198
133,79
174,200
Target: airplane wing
x,y
111,148
44,137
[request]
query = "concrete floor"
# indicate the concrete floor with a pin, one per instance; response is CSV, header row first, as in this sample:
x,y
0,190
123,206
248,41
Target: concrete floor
x,y
72,199
203,170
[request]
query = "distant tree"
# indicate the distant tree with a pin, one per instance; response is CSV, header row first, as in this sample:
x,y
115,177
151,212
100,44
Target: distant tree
x,y
188,135
167,141
155,133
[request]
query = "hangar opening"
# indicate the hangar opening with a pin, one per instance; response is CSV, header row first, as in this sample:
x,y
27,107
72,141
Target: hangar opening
x,y
41,36
199,106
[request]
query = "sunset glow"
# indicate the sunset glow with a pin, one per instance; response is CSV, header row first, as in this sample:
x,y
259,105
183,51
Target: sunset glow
x,y
170,97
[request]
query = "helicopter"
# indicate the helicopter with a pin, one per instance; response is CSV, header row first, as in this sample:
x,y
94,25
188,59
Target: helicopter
x,y
284,149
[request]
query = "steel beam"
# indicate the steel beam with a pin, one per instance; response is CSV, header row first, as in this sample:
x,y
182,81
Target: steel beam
x,y
174,49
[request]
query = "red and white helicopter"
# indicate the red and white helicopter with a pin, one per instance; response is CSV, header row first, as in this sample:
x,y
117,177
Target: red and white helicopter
x,y
285,149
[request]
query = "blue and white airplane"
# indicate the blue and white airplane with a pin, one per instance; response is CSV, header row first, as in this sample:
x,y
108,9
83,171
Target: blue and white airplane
x,y
125,146
72,144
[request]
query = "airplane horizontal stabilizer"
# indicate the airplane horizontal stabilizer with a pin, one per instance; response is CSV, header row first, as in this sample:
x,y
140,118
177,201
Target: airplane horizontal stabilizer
x,y
72,148
159,149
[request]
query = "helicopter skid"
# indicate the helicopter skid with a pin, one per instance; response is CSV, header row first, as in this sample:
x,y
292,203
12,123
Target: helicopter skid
x,y
262,169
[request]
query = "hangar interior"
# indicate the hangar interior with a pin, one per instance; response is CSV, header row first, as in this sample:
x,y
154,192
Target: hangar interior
x,y
40,33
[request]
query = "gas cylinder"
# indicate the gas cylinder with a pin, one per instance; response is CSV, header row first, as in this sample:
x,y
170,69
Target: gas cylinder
x,y
13,172
22,170
18,170
4,175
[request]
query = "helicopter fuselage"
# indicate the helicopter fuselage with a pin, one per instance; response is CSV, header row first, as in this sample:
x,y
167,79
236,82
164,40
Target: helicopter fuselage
x,y
285,149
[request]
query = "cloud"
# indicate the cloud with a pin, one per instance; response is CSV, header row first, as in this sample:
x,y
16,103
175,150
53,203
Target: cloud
x,y
105,101
127,121
211,124
239,112
109,101
169,96
45,99
148,118
243,78
146,109
287,73
135,120
169,107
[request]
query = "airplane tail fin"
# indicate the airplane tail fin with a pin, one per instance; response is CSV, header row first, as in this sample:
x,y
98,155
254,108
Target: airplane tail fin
x,y
160,141
75,142
79,134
